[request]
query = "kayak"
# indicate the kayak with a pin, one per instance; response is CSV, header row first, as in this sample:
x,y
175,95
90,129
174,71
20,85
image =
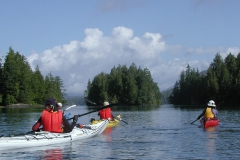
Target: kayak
x,y
44,138
111,123
209,122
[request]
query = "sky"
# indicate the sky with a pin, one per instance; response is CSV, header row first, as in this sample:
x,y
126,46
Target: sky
x,y
76,40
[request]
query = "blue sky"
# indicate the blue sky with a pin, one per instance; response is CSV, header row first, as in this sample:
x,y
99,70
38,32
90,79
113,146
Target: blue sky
x,y
76,39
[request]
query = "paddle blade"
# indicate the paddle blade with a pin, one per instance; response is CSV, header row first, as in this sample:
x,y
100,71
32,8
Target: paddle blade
x,y
194,121
90,101
120,119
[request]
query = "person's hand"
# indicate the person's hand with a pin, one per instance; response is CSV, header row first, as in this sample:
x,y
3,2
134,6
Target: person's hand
x,y
198,117
75,118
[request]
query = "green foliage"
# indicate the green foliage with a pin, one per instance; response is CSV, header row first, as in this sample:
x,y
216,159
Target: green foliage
x,y
129,86
220,83
19,84
38,86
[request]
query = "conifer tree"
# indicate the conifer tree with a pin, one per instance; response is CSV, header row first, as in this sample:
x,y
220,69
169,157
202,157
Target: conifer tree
x,y
10,90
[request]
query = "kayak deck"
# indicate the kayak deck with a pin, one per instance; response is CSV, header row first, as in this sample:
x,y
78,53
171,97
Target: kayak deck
x,y
111,123
209,122
44,138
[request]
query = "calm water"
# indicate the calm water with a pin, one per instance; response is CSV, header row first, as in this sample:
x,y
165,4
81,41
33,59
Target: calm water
x,y
164,132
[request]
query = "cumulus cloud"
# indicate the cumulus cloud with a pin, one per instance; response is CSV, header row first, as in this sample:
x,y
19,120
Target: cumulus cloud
x,y
79,61
233,50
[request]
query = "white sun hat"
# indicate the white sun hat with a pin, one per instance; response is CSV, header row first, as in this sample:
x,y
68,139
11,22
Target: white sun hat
x,y
105,103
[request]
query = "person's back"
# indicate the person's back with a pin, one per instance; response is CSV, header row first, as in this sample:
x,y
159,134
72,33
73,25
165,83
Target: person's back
x,y
105,113
52,119
208,113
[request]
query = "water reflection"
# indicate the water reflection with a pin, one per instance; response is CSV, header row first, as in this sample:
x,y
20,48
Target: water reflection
x,y
212,136
52,154
129,108
107,134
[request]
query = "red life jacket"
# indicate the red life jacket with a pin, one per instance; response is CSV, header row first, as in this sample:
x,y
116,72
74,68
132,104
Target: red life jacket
x,y
105,113
52,121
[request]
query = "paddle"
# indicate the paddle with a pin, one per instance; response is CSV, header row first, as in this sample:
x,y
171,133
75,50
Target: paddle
x,y
195,121
97,105
80,115
70,107
120,119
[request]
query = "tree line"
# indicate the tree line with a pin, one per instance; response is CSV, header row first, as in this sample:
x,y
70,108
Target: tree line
x,y
220,82
20,84
123,85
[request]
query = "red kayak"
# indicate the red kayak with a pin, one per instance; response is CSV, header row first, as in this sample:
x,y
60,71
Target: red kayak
x,y
209,122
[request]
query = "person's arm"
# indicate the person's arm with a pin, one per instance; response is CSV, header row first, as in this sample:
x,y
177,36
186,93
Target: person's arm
x,y
37,125
202,114
215,112
66,124
112,116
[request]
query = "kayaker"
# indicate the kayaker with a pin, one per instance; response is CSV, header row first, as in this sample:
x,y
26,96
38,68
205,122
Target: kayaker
x,y
52,119
210,111
106,112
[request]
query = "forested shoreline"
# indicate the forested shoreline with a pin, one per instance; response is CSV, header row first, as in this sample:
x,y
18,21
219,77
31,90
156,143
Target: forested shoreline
x,y
221,83
19,84
125,86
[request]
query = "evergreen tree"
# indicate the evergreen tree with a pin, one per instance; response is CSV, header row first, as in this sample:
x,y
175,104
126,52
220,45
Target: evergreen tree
x,y
19,84
60,92
99,88
38,86
124,85
116,84
131,84
189,89
24,74
237,80
174,97
10,90
220,82
54,88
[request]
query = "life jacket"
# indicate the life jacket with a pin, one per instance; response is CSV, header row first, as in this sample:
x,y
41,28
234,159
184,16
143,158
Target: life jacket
x,y
105,113
208,113
52,121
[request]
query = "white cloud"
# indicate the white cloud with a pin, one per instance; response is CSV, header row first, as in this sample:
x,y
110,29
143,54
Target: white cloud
x,y
233,50
79,61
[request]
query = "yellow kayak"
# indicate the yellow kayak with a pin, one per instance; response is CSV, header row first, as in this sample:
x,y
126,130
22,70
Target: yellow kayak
x,y
111,123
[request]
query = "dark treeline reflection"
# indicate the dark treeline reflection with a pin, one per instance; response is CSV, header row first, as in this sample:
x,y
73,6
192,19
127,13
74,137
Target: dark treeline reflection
x,y
129,108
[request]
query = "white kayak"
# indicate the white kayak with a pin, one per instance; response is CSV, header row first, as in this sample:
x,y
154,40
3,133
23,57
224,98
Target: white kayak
x,y
44,138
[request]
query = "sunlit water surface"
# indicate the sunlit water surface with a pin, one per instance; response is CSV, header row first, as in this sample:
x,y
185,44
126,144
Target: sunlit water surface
x,y
163,132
